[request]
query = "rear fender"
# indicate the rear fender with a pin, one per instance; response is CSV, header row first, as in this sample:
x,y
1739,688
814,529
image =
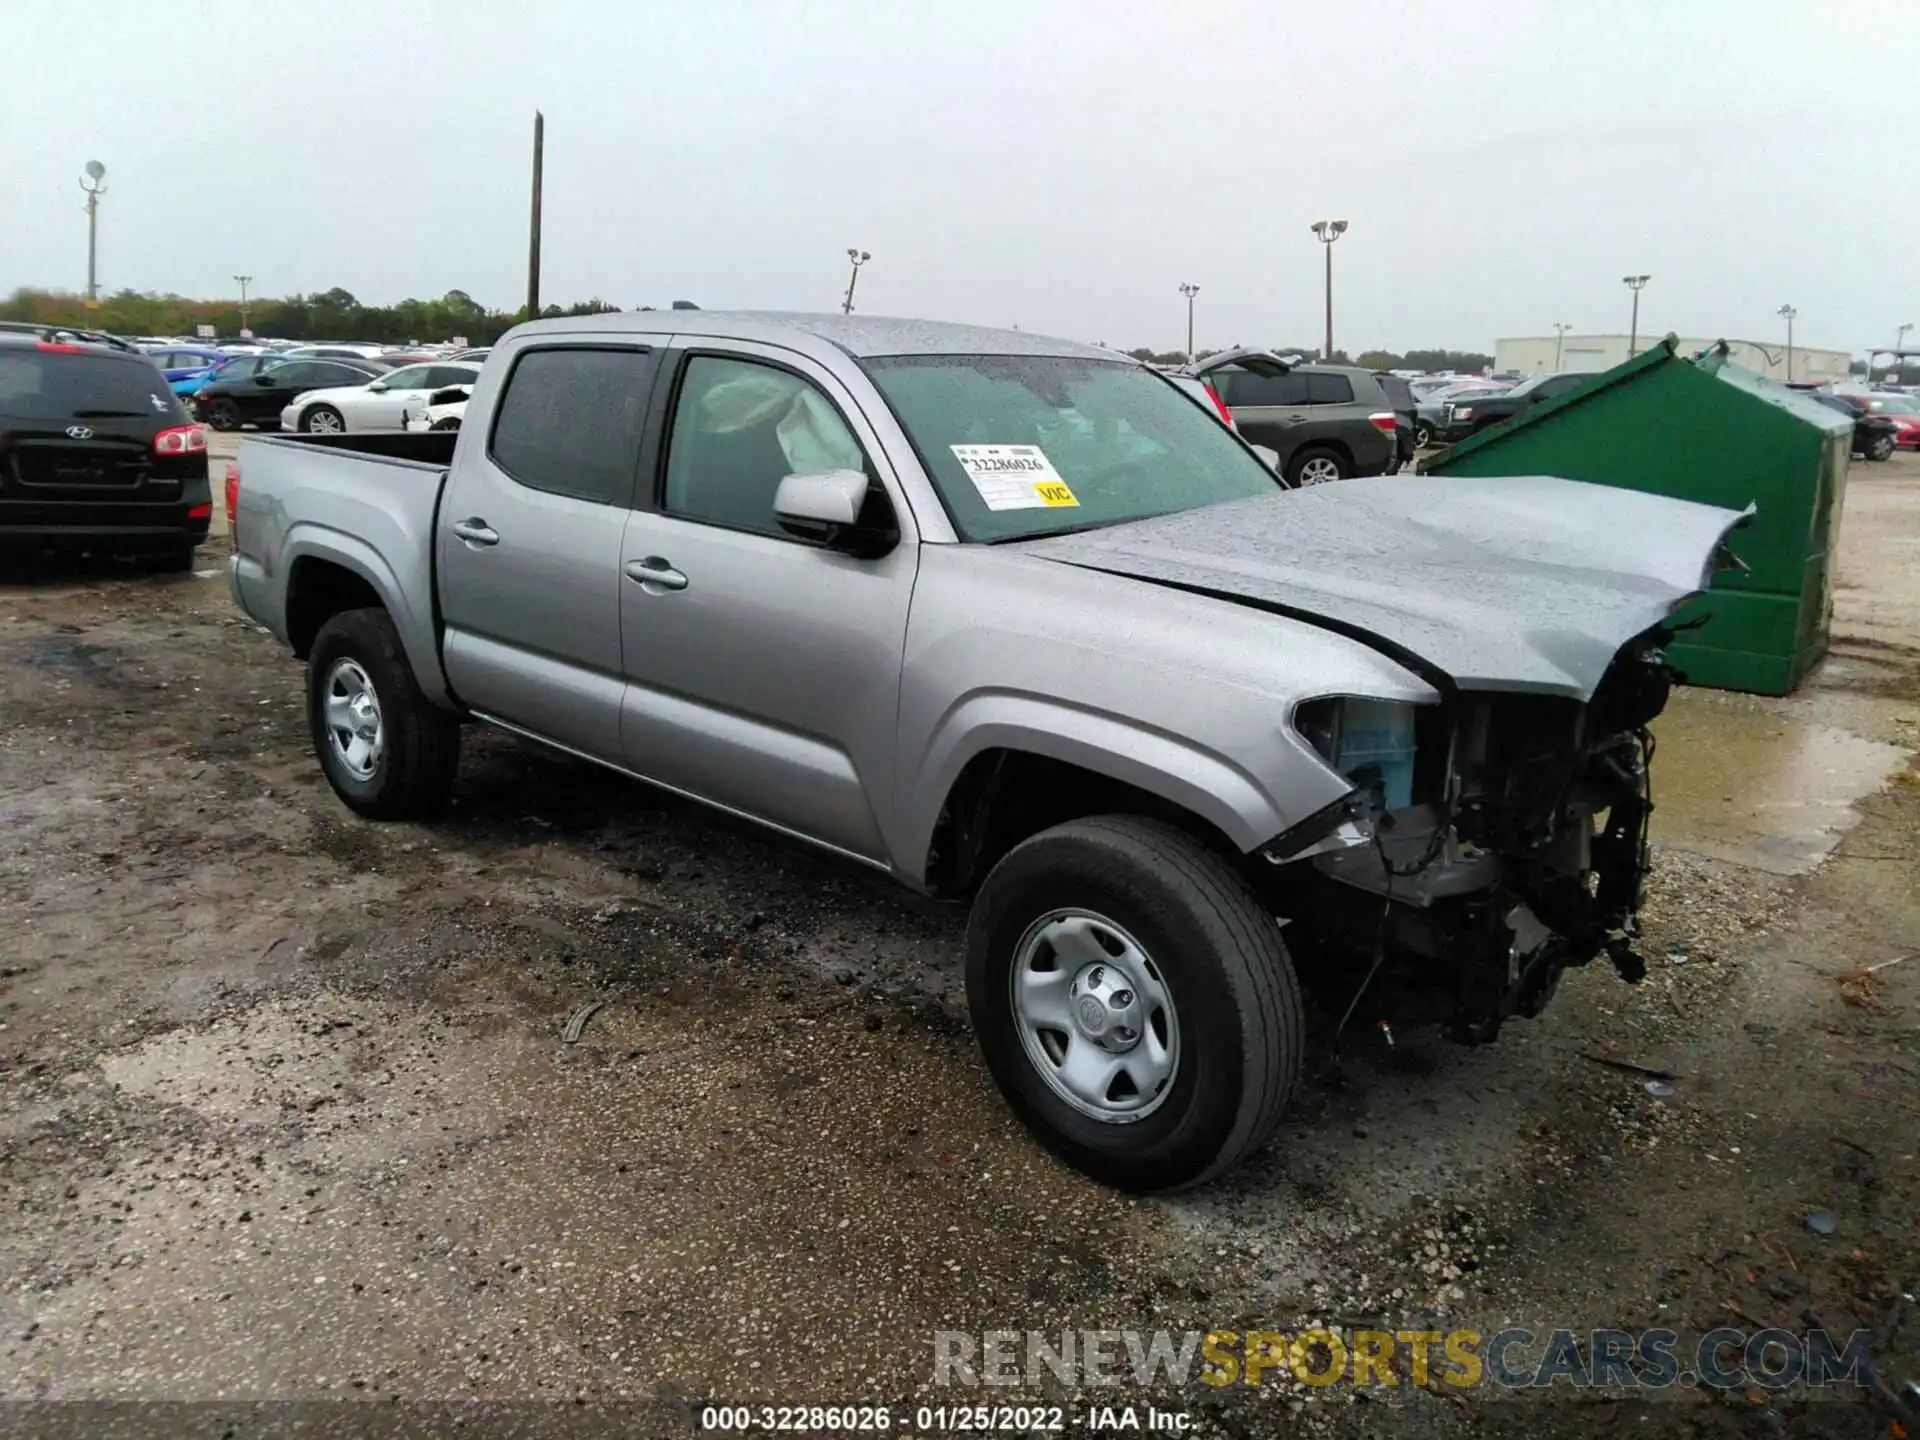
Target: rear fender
x,y
418,633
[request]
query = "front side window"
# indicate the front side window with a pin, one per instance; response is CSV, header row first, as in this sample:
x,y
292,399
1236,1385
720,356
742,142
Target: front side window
x,y
739,429
569,421
414,377
300,372
1021,446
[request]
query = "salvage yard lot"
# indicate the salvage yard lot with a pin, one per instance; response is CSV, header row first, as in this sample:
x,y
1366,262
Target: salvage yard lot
x,y
289,1115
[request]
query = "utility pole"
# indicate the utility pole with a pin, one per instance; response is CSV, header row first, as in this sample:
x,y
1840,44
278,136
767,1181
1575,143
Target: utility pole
x,y
857,257
1189,291
1899,364
1635,283
1560,328
245,280
533,227
96,172
1326,232
1789,314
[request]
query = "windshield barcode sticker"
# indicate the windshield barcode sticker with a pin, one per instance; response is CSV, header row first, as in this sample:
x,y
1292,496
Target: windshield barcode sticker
x,y
1013,477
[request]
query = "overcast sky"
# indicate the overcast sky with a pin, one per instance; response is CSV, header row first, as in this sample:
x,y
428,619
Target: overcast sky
x,y
1058,165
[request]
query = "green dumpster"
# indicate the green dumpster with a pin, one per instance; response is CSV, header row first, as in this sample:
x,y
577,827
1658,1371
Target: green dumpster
x,y
1702,429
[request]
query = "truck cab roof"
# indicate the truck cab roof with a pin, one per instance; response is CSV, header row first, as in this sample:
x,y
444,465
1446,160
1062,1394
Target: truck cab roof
x,y
857,335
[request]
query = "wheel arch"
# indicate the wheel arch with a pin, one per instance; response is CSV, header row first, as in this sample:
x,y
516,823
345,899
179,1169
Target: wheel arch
x,y
1001,779
329,572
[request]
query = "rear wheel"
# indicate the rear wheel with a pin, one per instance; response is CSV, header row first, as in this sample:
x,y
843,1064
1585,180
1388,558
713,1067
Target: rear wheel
x,y
1317,465
1134,1001
451,422
323,420
223,414
1880,447
1422,435
388,751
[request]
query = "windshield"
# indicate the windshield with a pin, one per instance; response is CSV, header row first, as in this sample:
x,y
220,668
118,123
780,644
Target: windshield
x,y
1026,445
56,386
1894,405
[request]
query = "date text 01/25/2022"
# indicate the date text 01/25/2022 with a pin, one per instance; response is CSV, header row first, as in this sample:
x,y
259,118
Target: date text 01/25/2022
x,y
939,1419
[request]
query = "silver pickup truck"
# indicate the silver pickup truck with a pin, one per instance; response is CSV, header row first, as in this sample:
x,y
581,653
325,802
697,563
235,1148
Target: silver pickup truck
x,y
1017,621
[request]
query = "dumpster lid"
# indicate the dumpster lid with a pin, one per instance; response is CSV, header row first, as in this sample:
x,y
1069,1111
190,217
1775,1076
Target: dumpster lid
x,y
1712,361
1796,403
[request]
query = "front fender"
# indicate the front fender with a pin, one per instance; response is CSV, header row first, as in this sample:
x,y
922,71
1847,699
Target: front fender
x,y
1200,781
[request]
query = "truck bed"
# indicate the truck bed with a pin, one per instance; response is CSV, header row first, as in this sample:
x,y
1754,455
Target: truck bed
x,y
433,450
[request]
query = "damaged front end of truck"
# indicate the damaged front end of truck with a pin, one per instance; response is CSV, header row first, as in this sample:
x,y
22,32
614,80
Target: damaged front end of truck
x,y
1517,850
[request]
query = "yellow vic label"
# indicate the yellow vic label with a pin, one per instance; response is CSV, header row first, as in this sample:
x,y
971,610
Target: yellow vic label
x,y
1054,493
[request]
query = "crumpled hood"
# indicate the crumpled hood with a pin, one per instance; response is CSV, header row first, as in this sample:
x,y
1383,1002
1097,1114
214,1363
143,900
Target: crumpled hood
x,y
1526,583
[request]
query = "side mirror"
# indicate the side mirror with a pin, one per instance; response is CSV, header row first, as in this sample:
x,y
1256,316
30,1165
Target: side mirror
x,y
1271,457
838,510
378,387
263,378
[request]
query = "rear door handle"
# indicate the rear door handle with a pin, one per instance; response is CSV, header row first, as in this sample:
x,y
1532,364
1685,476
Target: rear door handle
x,y
655,575
475,532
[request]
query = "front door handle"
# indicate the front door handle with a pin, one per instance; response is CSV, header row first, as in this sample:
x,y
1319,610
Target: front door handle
x,y
655,575
475,532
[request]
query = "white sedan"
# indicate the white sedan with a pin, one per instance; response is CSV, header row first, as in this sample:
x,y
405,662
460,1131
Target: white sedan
x,y
382,404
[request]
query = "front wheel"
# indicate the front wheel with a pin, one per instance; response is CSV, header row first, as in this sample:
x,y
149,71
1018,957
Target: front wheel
x,y
1880,448
1422,435
323,420
451,422
1134,1001
388,751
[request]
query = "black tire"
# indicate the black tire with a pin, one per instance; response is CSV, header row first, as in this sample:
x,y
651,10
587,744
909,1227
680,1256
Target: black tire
x,y
1881,448
1297,466
412,778
312,412
451,422
223,414
1422,435
1218,952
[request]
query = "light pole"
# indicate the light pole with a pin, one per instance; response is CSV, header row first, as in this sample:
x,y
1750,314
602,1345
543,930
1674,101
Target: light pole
x,y
858,258
1189,291
1635,283
1899,365
245,280
1560,328
1789,314
96,172
1326,232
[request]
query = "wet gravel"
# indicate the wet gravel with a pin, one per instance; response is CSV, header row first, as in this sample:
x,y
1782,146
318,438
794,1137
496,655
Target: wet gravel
x,y
289,1115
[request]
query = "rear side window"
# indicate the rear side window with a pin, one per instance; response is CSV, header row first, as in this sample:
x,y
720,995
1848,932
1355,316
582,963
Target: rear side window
x,y
569,421
1244,388
56,385
324,374
1329,390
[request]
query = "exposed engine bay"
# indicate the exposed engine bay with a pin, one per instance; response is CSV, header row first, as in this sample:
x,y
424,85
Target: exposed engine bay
x,y
1472,867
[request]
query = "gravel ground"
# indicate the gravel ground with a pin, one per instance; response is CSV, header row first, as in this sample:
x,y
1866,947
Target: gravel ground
x,y
289,1115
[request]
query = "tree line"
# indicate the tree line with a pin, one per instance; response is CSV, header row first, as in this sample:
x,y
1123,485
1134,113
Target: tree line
x,y
330,315
337,315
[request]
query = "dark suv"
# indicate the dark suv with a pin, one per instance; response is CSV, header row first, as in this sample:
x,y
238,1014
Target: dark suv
x,y
97,453
1326,422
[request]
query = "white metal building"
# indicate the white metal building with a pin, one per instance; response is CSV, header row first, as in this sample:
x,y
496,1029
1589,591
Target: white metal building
x,y
1534,355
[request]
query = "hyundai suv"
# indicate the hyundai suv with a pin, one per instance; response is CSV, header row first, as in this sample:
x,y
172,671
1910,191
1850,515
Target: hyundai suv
x,y
1326,422
96,452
